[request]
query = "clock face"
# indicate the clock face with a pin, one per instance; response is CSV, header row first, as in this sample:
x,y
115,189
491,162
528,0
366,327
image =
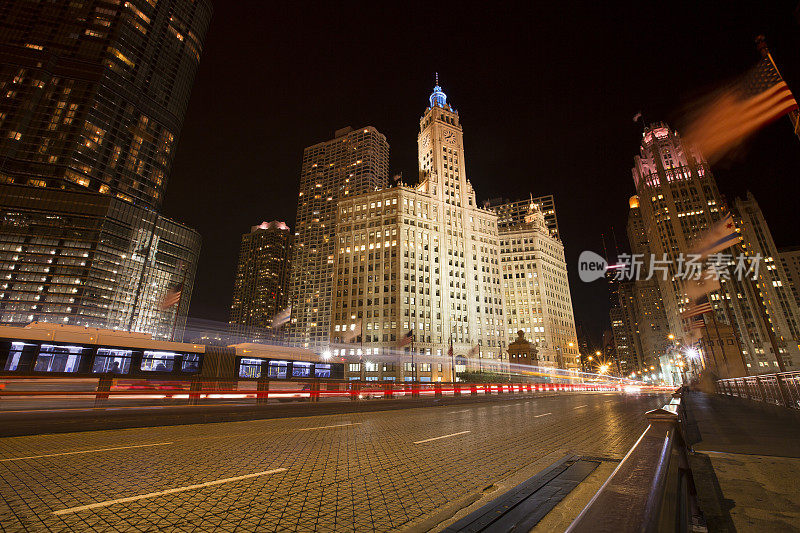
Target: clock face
x,y
449,137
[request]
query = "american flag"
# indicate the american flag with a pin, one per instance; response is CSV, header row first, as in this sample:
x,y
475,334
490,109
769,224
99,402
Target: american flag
x,y
172,297
702,305
759,98
696,323
406,339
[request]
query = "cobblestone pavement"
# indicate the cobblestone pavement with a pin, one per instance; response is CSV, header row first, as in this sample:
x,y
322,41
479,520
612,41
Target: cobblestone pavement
x,y
375,471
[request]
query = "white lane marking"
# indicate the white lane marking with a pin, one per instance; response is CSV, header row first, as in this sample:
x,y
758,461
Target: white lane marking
x,y
168,491
580,407
331,426
545,414
442,437
461,411
85,451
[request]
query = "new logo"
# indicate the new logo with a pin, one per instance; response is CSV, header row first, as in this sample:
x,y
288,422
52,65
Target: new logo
x,y
591,266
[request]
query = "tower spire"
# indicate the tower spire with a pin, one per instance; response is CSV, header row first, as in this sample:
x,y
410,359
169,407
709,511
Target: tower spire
x,y
437,97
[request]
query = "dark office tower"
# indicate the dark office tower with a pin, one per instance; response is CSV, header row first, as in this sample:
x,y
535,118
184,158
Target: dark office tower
x,y
94,92
353,162
261,288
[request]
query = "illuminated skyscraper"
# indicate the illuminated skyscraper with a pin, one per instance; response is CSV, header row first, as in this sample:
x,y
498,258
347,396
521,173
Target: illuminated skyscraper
x,y
651,319
679,201
94,98
536,285
790,259
353,162
261,288
423,259
95,93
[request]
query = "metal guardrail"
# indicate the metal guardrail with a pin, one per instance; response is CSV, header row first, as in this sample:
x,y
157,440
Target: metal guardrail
x,y
652,488
781,389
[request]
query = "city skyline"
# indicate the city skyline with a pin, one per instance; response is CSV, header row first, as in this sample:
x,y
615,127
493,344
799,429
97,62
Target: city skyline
x,y
545,144
374,267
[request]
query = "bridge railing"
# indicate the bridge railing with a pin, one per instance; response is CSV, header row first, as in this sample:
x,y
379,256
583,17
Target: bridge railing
x,y
652,488
781,389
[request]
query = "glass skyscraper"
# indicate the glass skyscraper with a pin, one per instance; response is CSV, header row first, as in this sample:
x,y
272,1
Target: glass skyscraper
x,y
94,92
93,99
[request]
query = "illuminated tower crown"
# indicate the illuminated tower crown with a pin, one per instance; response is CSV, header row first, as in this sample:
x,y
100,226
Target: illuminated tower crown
x,y
437,97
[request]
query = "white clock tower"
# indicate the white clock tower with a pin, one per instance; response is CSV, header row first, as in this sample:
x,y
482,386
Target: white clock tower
x,y
440,145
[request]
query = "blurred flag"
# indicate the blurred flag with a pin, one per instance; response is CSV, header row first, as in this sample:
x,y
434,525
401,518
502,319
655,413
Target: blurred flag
x,y
406,339
759,98
172,297
702,305
696,289
282,317
353,333
722,235
475,350
450,350
697,323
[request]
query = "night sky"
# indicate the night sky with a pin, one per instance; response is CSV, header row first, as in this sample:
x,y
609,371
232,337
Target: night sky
x,y
546,95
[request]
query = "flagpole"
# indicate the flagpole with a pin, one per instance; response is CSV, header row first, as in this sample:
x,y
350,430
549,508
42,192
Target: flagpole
x,y
452,361
413,366
794,116
361,353
136,302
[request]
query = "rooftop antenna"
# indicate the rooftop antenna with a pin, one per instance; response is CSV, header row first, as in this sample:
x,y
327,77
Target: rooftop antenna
x,y
437,79
603,240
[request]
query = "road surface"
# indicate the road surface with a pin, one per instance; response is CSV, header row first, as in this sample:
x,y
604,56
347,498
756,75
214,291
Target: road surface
x,y
368,471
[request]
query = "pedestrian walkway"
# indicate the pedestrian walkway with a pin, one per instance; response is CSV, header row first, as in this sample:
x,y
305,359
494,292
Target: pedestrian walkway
x,y
746,463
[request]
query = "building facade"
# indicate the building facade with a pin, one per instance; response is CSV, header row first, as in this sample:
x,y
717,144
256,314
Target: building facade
x,y
354,162
624,318
773,284
790,259
511,214
87,259
95,93
261,286
679,202
652,327
420,263
95,96
536,287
